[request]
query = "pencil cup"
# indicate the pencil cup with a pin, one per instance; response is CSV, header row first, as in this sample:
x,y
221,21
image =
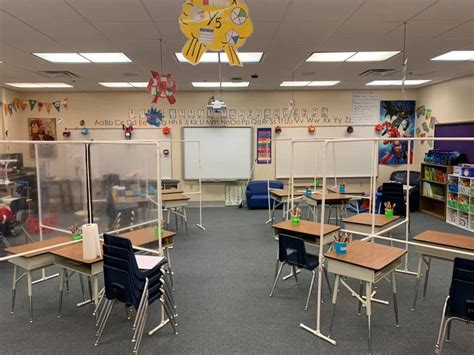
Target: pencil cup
x,y
342,189
158,232
341,248
308,192
76,236
388,213
295,220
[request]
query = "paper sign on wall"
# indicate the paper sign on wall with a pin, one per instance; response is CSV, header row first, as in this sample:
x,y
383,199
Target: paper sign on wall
x,y
214,25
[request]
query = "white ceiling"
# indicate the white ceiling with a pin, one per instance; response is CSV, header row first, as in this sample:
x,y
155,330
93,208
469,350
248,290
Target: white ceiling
x,y
288,31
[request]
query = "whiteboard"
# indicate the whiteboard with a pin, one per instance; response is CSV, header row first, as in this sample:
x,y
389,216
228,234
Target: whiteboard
x,y
111,163
353,159
226,153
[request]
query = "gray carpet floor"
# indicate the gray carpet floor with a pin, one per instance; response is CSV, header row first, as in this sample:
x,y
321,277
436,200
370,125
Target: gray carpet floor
x,y
223,277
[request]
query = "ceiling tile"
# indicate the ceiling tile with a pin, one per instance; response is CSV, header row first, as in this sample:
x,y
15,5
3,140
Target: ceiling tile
x,y
132,31
449,10
124,11
390,10
44,10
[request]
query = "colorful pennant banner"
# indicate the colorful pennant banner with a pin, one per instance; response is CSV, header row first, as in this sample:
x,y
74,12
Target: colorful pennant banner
x,y
19,104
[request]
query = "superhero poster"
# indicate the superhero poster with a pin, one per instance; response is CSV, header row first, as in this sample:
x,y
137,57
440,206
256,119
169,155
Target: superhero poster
x,y
397,120
42,129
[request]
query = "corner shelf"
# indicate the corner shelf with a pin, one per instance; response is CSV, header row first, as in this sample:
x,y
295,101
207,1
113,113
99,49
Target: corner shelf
x,y
460,206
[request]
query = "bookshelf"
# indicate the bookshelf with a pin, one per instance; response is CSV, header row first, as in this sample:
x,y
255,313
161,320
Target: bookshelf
x,y
434,189
460,204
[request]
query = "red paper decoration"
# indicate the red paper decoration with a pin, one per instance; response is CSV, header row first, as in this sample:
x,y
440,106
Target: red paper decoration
x,y
277,129
311,129
162,87
166,130
127,131
66,133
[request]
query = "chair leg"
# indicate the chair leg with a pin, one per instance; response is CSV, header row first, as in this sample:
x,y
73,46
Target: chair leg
x,y
310,290
169,317
295,274
276,278
443,318
447,321
448,332
109,305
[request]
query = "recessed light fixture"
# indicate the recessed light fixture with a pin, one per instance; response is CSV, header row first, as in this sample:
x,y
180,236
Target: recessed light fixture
x,y
456,55
372,56
142,84
396,82
213,57
376,56
330,56
225,84
39,85
106,57
84,57
309,83
116,84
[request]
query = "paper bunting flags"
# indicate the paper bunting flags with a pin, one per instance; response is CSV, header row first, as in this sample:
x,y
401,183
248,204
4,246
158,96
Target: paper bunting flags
x,y
57,105
48,106
214,25
40,106
33,104
19,104
161,86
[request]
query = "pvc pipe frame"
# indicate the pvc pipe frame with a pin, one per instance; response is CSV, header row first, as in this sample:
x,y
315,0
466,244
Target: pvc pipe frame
x,y
88,191
372,235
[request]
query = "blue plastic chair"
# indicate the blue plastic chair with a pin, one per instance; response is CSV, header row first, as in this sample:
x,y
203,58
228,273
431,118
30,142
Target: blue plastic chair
x,y
459,304
292,252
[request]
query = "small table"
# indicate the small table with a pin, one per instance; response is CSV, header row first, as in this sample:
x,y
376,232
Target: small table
x,y
331,199
171,191
363,222
282,197
176,203
32,262
369,263
440,239
347,191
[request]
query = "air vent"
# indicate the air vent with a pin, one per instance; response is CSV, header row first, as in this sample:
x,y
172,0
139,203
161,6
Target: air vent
x,y
379,72
237,79
57,74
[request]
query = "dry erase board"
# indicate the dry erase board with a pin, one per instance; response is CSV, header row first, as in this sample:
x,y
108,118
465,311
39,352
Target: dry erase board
x,y
353,159
109,161
226,153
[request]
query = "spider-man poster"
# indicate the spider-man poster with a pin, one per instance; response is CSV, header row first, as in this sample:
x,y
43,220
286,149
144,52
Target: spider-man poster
x,y
397,120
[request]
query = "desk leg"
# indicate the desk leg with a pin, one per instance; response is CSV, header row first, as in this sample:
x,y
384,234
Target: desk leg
x,y
185,219
334,300
95,288
361,289
368,307
61,287
395,305
427,275
30,294
284,211
417,284
15,275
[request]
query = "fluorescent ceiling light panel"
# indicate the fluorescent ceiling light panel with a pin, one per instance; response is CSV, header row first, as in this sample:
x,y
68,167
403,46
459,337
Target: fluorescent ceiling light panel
x,y
294,83
330,56
372,56
106,57
39,85
456,55
324,83
225,84
139,84
396,82
62,57
213,57
116,85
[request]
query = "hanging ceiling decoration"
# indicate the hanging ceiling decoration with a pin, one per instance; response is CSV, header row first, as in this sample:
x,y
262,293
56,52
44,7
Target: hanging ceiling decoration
x,y
162,86
215,25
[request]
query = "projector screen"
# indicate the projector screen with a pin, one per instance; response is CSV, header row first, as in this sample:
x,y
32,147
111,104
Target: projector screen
x,y
226,153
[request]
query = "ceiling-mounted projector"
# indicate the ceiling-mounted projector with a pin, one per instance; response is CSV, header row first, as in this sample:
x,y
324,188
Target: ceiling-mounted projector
x,y
216,105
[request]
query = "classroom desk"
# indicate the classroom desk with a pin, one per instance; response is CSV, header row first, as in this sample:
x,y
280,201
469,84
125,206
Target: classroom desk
x,y
440,239
348,191
369,263
171,191
332,199
363,222
30,263
176,203
282,197
71,258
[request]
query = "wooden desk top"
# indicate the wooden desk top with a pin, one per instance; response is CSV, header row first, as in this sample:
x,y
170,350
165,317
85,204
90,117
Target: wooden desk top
x,y
171,191
366,219
368,255
331,196
38,245
306,227
131,199
446,239
284,193
348,191
74,252
145,236
174,197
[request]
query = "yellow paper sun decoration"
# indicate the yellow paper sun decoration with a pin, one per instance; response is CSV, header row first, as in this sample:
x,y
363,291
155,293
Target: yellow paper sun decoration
x,y
214,25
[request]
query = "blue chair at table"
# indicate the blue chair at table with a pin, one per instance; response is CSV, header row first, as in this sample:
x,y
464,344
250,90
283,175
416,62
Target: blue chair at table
x,y
292,252
460,302
124,282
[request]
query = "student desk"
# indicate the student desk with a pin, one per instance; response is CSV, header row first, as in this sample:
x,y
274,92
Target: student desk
x,y
176,203
282,197
369,263
171,191
30,263
440,239
363,222
347,191
332,199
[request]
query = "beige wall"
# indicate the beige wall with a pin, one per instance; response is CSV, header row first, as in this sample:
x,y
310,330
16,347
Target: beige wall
x,y
449,101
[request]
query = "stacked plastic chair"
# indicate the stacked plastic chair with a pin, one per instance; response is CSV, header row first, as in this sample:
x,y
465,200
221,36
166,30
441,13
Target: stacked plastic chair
x,y
125,283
